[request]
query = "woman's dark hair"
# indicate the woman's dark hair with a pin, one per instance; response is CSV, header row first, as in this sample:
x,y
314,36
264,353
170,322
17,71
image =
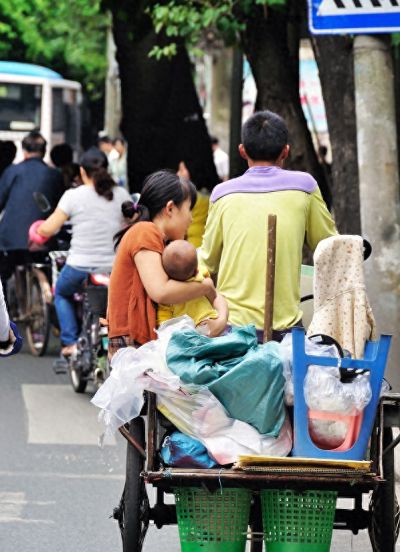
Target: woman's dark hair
x,y
95,164
158,188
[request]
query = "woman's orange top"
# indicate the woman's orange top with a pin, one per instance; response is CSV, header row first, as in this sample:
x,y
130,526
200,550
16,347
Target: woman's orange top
x,y
131,312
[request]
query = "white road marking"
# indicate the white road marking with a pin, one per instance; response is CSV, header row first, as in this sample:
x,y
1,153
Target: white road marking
x,y
58,416
12,505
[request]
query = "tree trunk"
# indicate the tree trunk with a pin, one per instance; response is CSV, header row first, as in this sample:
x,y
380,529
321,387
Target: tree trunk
x,y
162,118
272,49
334,55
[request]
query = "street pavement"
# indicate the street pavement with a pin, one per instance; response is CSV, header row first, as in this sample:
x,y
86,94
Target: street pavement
x,y
57,486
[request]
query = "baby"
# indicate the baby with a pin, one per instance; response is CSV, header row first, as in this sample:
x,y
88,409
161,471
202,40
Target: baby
x,y
179,260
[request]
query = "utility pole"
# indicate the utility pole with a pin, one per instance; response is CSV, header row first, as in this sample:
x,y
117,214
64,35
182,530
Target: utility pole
x,y
112,115
379,184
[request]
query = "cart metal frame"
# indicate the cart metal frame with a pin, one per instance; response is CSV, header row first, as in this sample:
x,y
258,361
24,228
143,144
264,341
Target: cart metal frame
x,y
381,518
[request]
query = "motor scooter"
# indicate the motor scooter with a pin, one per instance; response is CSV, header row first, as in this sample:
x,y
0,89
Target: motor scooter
x,y
89,362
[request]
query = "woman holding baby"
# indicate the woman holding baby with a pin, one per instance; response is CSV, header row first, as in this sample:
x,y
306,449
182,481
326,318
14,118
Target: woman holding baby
x,y
139,280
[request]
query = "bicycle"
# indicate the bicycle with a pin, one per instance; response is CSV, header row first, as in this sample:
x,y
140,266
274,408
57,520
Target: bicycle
x,y
29,299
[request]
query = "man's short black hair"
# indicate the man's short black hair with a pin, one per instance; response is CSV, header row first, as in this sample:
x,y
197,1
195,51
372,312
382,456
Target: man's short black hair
x,y
61,155
264,135
34,143
214,140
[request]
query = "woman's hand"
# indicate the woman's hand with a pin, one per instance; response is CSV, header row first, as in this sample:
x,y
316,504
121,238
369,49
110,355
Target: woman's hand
x,y
163,290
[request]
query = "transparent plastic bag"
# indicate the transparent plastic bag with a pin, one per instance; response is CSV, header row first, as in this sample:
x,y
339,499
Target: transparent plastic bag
x,y
323,390
335,407
194,410
286,354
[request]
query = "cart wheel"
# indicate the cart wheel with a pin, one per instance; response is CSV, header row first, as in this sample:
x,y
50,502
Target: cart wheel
x,y
134,508
256,525
384,508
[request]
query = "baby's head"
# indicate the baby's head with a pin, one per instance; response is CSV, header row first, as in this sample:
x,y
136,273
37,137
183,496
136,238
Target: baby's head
x,y
179,260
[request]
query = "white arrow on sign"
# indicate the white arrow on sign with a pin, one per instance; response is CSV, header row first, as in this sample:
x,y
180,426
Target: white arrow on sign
x,y
358,7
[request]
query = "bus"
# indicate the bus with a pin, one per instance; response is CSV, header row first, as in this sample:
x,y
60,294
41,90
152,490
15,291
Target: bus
x,y
36,98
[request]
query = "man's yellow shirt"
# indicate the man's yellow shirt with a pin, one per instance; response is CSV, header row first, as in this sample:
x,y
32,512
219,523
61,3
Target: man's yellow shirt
x,y
235,249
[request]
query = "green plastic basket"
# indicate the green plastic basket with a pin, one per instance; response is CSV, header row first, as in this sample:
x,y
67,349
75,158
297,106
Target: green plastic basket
x,y
212,521
295,521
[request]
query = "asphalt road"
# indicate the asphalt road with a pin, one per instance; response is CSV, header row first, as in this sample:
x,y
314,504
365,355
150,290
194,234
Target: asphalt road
x,y
57,487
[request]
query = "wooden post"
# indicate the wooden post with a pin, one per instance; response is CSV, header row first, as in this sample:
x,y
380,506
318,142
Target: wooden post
x,y
270,278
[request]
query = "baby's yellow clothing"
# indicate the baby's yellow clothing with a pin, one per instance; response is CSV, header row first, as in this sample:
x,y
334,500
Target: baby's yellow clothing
x,y
198,309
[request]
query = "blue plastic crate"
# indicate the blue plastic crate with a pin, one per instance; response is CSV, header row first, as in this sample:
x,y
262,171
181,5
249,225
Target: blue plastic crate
x,y
375,357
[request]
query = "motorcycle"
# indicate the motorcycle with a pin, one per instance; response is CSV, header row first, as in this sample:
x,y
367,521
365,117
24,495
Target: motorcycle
x,y
90,362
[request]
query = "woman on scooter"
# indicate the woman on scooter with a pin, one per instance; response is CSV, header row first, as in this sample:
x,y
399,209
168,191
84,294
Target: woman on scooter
x,y
94,211
138,280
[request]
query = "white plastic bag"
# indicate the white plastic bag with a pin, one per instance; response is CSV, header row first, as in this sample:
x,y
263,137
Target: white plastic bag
x,y
193,409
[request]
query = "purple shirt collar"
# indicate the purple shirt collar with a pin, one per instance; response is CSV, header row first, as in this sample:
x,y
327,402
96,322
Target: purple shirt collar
x,y
262,179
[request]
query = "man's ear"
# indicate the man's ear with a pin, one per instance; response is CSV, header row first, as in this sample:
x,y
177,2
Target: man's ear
x,y
285,153
242,152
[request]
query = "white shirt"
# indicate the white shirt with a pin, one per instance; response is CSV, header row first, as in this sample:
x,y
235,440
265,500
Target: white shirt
x,y
95,220
221,161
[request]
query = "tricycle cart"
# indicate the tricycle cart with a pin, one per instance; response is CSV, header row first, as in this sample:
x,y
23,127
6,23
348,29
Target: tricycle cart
x,y
144,466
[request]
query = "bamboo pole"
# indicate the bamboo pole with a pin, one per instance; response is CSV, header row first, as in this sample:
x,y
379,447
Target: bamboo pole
x,y
270,278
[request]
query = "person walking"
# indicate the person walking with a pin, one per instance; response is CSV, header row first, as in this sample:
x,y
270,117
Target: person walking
x,y
221,159
118,166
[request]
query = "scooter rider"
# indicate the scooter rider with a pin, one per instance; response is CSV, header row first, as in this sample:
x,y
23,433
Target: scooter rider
x,y
94,211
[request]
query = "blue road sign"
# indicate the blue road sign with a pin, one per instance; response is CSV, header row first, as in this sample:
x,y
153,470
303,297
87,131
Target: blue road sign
x,y
354,16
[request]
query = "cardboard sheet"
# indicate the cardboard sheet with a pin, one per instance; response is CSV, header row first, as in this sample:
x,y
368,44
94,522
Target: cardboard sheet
x,y
291,462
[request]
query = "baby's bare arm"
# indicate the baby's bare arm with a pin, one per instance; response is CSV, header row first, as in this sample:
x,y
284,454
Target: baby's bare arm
x,y
215,326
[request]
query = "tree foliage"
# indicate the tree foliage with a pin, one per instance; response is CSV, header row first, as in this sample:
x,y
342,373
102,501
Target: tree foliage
x,y
190,19
69,36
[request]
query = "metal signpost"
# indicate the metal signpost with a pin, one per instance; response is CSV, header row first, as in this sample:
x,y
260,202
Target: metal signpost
x,y
354,16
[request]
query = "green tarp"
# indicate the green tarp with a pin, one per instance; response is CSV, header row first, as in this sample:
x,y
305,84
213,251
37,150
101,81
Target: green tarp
x,y
246,378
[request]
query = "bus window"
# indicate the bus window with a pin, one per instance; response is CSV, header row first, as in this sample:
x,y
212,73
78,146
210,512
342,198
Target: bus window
x,y
20,106
65,121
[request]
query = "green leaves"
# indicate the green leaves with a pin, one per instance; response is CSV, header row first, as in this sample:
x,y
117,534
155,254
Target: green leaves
x,y
159,52
69,36
190,19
